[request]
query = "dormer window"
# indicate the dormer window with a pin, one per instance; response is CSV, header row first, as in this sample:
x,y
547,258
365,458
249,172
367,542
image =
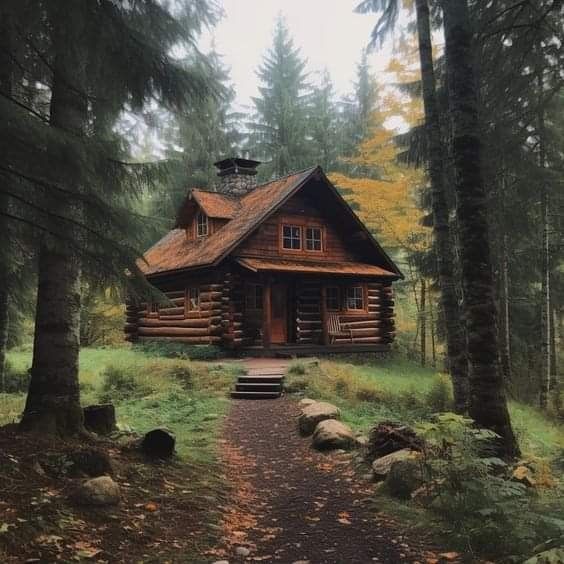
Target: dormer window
x,y
202,227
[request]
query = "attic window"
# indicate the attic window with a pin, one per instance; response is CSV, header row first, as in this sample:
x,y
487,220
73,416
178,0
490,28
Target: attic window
x,y
291,237
202,227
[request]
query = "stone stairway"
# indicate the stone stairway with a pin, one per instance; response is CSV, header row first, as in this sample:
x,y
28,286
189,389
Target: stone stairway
x,y
259,383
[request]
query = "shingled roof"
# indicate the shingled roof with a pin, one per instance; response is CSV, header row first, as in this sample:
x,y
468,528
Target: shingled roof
x,y
175,252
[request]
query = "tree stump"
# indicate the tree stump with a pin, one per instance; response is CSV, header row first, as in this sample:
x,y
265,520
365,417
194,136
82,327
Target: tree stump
x,y
100,419
387,437
158,443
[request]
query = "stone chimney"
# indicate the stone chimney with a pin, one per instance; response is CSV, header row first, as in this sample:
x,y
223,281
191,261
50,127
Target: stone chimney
x,y
237,176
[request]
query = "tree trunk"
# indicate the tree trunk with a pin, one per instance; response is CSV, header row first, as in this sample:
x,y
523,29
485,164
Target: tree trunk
x,y
433,345
53,401
546,310
457,363
423,322
3,333
488,404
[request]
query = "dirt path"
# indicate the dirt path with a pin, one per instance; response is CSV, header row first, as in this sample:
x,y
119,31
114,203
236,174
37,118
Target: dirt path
x,y
291,503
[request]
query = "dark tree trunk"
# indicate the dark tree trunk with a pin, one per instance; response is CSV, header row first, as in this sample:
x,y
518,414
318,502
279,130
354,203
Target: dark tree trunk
x,y
488,404
423,318
53,401
457,363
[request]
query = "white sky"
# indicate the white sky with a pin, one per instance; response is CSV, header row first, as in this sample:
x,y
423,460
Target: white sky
x,y
328,32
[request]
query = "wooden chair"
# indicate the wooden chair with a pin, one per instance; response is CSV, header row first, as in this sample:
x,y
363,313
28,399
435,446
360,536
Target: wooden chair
x,y
336,328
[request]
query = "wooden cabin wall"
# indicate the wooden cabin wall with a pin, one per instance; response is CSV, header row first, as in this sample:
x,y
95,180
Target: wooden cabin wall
x,y
265,242
172,322
232,319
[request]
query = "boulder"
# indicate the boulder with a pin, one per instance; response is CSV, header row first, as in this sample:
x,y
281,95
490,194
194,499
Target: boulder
x,y
331,434
100,418
304,402
551,556
404,477
158,443
314,414
381,466
100,491
387,437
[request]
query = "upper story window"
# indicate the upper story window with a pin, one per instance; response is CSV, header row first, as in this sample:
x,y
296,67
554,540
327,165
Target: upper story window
x,y
313,239
291,237
202,226
355,297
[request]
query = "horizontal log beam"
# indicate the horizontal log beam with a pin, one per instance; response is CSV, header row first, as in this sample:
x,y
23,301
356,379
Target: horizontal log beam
x,y
175,331
190,340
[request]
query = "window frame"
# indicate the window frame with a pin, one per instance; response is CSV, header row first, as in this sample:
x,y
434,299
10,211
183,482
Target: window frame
x,y
300,237
306,239
201,215
337,297
252,300
188,292
362,297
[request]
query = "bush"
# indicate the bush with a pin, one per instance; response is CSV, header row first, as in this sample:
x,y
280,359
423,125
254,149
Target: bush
x,y
296,385
471,491
180,350
439,397
120,383
368,393
15,381
297,368
342,387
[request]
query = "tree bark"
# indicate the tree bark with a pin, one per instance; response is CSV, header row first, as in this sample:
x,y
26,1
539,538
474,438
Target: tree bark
x,y
53,401
488,404
457,363
423,322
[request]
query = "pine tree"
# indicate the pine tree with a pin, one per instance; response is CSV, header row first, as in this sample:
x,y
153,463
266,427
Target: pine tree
x,y
278,134
488,406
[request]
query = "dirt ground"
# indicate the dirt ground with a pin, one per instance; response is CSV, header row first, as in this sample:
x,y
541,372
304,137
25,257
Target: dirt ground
x,y
292,504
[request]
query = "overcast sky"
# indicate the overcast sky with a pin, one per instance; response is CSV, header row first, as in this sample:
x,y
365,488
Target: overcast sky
x,y
329,33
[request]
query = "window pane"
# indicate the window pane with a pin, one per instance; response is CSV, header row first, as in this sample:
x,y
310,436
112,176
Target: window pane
x,y
193,299
355,297
313,239
291,237
253,297
202,227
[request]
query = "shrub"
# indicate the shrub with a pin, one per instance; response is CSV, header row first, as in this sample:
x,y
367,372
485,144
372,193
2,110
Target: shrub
x,y
342,387
14,381
120,383
471,491
297,368
439,397
296,385
368,393
180,350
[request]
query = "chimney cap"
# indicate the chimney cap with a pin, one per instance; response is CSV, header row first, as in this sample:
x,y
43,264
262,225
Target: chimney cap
x,y
236,166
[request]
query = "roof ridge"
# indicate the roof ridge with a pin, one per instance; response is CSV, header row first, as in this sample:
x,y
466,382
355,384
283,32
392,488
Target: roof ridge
x,y
216,192
293,173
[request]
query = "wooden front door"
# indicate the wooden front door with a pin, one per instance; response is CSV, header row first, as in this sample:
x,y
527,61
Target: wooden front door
x,y
279,314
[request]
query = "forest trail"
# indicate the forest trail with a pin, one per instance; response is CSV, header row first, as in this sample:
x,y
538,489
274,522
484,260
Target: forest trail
x,y
291,504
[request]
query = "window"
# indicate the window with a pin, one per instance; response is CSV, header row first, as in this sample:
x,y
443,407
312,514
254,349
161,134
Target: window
x,y
313,239
192,299
355,297
332,298
253,297
202,224
291,237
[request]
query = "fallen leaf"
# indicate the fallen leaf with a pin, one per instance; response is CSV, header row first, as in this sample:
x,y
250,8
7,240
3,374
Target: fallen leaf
x,y
151,506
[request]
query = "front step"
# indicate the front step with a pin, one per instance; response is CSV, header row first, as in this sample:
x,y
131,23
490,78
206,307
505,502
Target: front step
x,y
258,386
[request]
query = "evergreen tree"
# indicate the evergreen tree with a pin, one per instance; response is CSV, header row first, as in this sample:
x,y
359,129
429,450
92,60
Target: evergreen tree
x,y
278,133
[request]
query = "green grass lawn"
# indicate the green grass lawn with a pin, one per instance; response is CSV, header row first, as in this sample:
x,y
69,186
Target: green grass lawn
x,y
189,398
402,391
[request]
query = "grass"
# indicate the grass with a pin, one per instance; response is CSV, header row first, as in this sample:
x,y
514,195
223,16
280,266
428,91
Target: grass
x,y
367,392
148,391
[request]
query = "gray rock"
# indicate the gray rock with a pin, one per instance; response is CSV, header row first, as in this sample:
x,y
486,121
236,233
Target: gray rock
x,y
404,478
331,434
242,551
381,466
305,402
99,491
221,562
314,414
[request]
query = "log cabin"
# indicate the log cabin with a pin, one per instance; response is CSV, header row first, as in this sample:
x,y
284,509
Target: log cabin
x,y
284,266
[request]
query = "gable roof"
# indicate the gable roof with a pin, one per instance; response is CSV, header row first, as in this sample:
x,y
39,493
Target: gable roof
x,y
176,252
215,204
